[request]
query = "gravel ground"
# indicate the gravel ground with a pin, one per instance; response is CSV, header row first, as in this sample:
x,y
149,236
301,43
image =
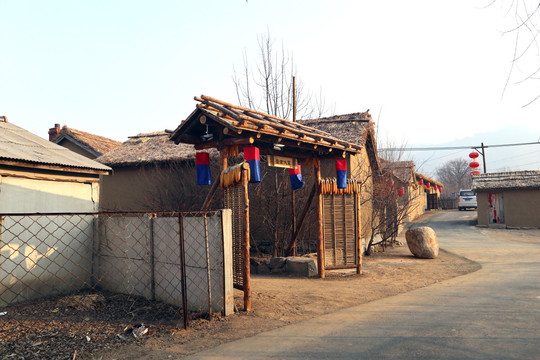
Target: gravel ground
x,y
73,326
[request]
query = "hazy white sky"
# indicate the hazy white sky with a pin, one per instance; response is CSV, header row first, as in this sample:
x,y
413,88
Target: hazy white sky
x,y
429,71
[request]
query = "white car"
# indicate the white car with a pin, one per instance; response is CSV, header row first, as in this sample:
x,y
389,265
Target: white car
x,y
467,199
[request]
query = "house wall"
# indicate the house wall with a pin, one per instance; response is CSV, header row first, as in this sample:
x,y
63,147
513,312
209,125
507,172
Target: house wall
x,y
521,208
24,195
418,201
75,148
482,208
361,170
153,188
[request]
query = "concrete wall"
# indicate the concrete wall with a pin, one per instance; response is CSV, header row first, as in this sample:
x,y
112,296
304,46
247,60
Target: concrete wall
x,y
140,255
22,195
44,255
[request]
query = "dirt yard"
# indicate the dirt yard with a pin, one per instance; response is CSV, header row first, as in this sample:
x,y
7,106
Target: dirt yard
x,y
279,301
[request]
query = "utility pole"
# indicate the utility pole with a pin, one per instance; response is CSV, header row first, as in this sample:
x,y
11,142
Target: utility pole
x,y
293,196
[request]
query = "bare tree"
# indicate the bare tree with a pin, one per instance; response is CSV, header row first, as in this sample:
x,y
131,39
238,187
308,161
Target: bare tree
x,y
526,29
268,85
455,175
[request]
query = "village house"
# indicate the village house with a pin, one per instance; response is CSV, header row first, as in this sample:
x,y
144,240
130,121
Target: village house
x,y
151,173
37,175
508,199
81,142
414,189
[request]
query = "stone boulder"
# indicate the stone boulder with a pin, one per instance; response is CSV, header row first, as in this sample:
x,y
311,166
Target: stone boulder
x,y
422,242
301,266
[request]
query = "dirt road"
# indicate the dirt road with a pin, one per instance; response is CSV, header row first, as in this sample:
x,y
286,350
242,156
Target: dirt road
x,y
281,301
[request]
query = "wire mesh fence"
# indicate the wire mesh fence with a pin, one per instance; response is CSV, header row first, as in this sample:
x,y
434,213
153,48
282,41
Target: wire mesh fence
x,y
93,279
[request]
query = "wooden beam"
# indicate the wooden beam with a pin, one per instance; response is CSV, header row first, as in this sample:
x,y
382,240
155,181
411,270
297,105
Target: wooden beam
x,y
78,170
302,219
211,193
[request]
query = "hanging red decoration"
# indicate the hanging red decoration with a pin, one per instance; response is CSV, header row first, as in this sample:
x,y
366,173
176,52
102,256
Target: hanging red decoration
x,y
401,191
474,164
421,181
440,189
474,155
428,185
475,172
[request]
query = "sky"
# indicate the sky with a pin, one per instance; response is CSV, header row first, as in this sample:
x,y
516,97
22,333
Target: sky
x,y
432,73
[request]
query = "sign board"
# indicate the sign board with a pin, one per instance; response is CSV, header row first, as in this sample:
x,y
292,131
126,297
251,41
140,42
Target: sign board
x,y
282,162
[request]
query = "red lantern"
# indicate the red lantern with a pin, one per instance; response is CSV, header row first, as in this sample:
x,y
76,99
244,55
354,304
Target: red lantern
x,y
474,155
475,172
421,181
401,191
474,164
428,185
440,189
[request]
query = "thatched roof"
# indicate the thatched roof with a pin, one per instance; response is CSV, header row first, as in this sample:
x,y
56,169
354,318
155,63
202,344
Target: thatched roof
x,y
515,180
94,144
21,148
428,179
216,123
352,128
402,170
148,148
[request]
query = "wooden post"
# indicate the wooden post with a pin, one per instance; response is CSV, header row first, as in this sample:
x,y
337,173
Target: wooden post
x,y
245,245
320,240
358,234
293,233
484,158
223,164
292,244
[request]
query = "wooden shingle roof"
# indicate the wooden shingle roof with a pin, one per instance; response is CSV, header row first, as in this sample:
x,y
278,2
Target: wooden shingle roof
x,y
216,123
515,180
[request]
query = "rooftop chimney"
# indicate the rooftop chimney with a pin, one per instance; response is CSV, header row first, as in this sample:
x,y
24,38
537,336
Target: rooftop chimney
x,y
53,132
3,118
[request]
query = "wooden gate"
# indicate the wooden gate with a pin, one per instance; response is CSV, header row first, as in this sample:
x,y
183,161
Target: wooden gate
x,y
432,201
340,212
234,182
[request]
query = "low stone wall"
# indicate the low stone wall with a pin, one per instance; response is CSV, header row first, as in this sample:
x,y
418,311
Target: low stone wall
x,y
292,265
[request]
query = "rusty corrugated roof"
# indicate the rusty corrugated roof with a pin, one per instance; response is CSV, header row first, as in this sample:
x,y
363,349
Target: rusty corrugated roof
x,y
23,147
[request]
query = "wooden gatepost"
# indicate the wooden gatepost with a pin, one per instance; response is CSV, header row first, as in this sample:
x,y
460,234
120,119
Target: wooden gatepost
x,y
234,183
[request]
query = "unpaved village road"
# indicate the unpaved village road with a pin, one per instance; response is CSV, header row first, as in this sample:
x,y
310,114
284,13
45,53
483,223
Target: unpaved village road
x,y
493,313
